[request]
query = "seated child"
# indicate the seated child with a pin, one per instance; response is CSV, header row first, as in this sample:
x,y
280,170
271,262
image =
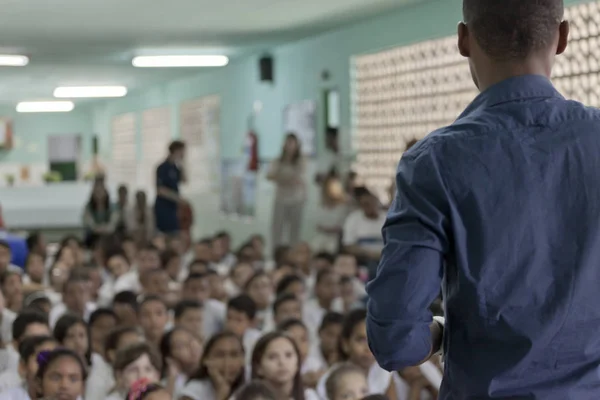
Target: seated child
x,y
241,320
64,366
346,382
189,315
238,277
132,363
125,306
19,385
153,318
312,368
221,370
286,307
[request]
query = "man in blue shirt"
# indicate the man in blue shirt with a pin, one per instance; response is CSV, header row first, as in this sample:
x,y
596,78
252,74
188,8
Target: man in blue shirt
x,y
168,176
503,207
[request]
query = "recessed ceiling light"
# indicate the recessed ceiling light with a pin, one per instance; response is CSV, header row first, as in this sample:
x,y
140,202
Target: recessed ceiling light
x,y
179,61
45,106
13,60
89,91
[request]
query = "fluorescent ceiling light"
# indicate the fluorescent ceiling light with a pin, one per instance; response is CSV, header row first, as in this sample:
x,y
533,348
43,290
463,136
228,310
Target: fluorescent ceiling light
x,y
89,91
13,60
179,61
45,106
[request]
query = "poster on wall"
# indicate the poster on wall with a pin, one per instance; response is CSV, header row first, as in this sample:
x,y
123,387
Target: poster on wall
x,y
238,189
301,118
200,129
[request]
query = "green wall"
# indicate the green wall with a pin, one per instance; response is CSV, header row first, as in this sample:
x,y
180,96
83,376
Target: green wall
x,y
31,131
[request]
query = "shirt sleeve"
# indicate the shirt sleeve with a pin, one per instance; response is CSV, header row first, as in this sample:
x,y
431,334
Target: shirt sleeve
x,y
410,271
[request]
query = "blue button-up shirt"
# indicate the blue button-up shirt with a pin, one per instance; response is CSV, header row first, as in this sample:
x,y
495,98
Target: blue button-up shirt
x,y
502,209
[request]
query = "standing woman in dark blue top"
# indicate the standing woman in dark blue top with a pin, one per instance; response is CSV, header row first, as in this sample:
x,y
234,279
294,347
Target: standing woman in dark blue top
x,y
168,176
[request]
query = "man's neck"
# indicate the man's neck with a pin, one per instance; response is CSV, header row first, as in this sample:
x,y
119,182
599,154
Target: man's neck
x,y
495,73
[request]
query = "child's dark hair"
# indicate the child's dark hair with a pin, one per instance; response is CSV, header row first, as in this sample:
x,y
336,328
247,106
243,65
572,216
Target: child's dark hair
x,y
257,274
132,352
29,345
284,298
290,323
286,282
333,381
46,358
152,299
116,252
114,337
184,305
351,321
331,318
193,277
24,319
259,351
376,397
330,258
244,304
99,313
127,297
255,390
202,373
61,330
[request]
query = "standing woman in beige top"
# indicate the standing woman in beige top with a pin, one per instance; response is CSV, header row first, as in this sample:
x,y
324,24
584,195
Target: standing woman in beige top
x,y
288,174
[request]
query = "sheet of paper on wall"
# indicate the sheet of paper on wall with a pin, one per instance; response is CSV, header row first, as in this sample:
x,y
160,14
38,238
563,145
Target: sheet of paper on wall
x,y
300,119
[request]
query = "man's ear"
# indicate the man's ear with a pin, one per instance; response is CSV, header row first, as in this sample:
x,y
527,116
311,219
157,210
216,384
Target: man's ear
x,y
563,37
463,40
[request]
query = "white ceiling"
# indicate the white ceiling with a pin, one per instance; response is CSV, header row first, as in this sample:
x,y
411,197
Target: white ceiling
x,y
77,42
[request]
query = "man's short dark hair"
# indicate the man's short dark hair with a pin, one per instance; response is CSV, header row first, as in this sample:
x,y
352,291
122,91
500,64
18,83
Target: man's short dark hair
x,y
244,304
513,29
184,305
25,319
176,145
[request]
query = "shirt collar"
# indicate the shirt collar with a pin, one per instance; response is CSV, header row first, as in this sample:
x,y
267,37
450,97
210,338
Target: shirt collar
x,y
513,89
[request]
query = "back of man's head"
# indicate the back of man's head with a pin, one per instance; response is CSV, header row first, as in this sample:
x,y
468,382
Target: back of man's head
x,y
510,30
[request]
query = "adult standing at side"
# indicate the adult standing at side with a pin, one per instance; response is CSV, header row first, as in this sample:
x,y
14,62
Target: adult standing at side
x,y
504,205
288,174
169,175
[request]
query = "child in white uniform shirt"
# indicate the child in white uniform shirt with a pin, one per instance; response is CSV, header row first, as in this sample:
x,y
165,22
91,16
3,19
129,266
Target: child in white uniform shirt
x,y
24,377
241,320
221,370
277,361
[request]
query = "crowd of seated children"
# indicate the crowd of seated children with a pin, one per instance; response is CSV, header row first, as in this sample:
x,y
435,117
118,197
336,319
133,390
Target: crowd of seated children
x,y
154,319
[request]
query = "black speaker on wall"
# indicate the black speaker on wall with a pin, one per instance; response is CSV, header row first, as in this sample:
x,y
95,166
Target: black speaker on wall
x,y
266,69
